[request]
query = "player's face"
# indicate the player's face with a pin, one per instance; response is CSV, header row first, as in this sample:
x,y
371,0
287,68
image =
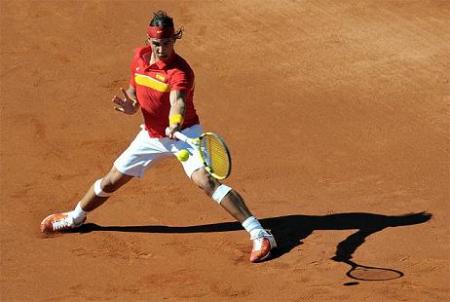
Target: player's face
x,y
162,48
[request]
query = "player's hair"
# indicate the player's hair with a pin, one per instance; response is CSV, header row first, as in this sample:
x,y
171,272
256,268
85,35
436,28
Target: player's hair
x,y
161,19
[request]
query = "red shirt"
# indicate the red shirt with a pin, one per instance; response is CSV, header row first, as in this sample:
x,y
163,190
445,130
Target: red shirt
x,y
153,84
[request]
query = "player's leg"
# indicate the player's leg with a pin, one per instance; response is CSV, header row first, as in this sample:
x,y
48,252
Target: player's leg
x,y
233,203
102,189
131,163
97,194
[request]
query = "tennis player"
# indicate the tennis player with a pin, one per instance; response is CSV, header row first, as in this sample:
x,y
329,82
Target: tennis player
x,y
162,87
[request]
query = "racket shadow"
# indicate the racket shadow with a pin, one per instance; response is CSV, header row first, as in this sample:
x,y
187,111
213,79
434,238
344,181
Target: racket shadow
x,y
347,247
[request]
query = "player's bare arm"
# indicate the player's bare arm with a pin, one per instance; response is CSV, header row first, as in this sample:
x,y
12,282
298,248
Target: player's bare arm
x,y
128,104
176,115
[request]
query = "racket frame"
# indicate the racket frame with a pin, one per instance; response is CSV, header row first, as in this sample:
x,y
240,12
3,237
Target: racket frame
x,y
196,144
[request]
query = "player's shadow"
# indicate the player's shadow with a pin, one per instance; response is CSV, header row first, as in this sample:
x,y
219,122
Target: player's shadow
x,y
290,230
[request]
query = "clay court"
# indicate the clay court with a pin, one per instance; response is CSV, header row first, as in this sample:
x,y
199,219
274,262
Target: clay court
x,y
336,114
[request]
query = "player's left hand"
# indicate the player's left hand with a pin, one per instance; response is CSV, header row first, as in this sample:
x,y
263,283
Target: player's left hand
x,y
126,105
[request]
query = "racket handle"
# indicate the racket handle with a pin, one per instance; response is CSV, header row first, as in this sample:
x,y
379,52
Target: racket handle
x,y
180,136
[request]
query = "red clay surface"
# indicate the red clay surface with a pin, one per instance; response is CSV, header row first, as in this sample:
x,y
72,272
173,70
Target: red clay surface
x,y
329,107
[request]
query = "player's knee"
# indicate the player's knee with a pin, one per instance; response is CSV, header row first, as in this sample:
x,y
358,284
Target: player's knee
x,y
107,185
101,187
207,184
205,181
211,186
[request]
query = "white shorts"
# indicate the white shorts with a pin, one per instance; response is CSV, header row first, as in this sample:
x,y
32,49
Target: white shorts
x,y
145,151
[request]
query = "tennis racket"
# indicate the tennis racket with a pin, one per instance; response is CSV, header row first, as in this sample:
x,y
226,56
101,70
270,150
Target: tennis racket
x,y
213,151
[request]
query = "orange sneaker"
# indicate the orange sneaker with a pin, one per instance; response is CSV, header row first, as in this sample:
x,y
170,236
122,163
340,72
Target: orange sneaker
x,y
263,243
59,222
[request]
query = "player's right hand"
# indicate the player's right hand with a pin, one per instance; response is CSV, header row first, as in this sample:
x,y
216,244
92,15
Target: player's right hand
x,y
171,130
126,105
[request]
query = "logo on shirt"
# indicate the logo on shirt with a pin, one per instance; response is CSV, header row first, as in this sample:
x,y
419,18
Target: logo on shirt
x,y
160,77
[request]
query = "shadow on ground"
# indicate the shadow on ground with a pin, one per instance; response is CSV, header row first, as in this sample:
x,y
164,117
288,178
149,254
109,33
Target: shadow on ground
x,y
292,229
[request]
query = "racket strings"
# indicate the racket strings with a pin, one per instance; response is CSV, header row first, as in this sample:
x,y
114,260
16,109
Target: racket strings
x,y
216,155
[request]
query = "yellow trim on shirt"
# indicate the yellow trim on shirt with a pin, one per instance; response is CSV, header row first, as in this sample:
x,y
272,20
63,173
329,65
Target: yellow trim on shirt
x,y
150,82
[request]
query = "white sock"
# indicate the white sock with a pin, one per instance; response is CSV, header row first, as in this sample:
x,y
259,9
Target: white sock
x,y
78,214
252,226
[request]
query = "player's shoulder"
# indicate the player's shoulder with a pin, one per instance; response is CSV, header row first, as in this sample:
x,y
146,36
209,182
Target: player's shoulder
x,y
140,51
180,64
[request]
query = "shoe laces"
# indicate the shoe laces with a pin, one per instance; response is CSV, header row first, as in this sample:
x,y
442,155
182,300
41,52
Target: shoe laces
x,y
257,243
64,223
259,239
260,234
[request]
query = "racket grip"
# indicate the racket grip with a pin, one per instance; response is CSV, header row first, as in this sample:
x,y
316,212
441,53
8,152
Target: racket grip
x,y
180,136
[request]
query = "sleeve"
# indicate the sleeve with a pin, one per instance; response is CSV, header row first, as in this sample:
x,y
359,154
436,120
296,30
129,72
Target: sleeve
x,y
133,66
182,80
